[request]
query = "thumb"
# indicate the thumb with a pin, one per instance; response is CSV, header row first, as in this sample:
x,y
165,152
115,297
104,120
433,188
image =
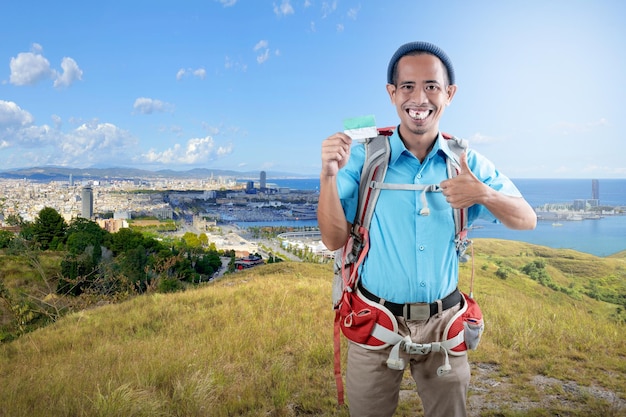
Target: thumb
x,y
463,163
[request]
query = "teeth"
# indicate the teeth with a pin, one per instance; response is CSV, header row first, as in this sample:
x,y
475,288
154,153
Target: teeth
x,y
419,115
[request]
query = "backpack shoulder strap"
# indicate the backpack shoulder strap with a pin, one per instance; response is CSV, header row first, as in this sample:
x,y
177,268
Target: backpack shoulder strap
x,y
377,152
457,146
349,258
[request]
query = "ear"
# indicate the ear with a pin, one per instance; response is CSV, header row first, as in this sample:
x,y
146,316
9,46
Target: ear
x,y
391,90
451,90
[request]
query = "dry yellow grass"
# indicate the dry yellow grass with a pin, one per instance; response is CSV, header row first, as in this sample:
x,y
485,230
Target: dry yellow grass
x,y
260,343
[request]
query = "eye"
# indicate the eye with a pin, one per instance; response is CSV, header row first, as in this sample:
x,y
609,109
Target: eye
x,y
431,88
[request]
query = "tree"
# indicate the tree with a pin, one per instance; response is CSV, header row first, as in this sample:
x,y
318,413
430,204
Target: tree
x,y
191,240
82,234
14,220
49,229
79,270
5,238
125,239
132,265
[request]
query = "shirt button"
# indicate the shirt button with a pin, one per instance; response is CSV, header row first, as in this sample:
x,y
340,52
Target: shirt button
x,y
421,247
422,284
419,176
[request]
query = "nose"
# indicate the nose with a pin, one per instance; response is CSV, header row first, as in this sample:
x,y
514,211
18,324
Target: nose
x,y
419,96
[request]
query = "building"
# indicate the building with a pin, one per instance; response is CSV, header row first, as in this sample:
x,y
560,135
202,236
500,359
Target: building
x,y
112,225
262,181
595,189
163,213
87,202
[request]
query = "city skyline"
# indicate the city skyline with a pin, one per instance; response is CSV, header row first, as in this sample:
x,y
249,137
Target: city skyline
x,y
256,86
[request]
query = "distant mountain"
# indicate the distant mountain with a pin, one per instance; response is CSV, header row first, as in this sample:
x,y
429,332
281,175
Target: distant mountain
x,y
52,173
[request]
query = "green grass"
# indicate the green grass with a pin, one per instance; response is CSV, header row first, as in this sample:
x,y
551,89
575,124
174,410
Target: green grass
x,y
259,342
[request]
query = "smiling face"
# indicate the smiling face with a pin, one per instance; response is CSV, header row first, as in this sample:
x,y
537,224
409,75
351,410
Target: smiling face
x,y
420,94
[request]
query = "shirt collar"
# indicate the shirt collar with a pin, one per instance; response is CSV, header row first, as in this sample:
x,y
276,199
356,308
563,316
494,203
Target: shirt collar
x,y
443,147
440,147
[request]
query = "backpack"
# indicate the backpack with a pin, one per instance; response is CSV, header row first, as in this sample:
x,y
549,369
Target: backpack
x,y
372,325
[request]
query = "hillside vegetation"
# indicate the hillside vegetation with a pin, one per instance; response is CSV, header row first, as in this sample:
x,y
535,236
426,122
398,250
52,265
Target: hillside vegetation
x,y
259,343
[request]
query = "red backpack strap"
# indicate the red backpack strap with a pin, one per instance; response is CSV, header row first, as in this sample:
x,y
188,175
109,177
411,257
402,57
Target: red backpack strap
x,y
337,357
377,151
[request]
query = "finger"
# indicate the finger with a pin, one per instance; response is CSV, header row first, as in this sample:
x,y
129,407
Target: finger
x,y
344,138
463,162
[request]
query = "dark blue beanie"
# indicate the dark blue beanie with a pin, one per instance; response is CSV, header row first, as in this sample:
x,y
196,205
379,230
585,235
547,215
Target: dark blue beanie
x,y
419,47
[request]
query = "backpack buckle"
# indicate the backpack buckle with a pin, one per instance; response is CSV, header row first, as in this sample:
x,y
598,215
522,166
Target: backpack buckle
x,y
357,245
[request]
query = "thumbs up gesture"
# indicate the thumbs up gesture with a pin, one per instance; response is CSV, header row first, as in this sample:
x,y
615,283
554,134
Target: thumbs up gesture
x,y
465,189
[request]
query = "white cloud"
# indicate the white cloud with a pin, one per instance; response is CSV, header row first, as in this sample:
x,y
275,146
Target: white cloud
x,y
213,130
328,8
597,170
146,105
95,142
340,27
197,150
477,138
263,47
57,121
199,73
71,73
29,68
12,115
224,150
262,44
567,128
263,57
284,9
33,145
353,12
231,64
17,129
227,3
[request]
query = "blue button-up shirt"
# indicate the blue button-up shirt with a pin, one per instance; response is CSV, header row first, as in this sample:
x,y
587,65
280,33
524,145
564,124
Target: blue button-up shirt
x,y
412,258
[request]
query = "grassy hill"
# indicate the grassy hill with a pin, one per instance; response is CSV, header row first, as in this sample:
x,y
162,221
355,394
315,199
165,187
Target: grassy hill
x,y
259,342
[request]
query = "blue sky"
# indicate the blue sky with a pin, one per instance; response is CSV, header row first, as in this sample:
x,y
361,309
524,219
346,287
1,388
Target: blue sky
x,y
254,85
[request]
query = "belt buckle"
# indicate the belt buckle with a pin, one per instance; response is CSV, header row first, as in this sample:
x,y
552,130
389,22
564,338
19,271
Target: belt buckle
x,y
416,311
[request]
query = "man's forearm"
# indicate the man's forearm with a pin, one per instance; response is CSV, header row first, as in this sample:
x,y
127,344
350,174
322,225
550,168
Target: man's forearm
x,y
514,212
330,217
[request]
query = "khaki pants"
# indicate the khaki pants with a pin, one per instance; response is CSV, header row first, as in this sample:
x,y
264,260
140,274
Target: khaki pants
x,y
373,389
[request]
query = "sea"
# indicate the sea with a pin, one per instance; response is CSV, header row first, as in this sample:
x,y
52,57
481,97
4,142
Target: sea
x,y
600,237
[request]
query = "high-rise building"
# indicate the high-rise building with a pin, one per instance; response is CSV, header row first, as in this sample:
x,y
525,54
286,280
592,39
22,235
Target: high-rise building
x,y
71,180
595,189
262,184
87,202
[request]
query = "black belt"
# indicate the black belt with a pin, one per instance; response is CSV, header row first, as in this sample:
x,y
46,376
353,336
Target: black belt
x,y
415,311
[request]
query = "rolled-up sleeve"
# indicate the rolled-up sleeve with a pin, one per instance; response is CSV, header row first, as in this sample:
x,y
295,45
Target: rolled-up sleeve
x,y
486,172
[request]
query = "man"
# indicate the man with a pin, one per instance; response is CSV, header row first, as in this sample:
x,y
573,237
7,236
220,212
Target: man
x,y
412,257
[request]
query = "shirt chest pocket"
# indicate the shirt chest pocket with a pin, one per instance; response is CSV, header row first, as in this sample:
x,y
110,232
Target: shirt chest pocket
x,y
437,201
403,202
